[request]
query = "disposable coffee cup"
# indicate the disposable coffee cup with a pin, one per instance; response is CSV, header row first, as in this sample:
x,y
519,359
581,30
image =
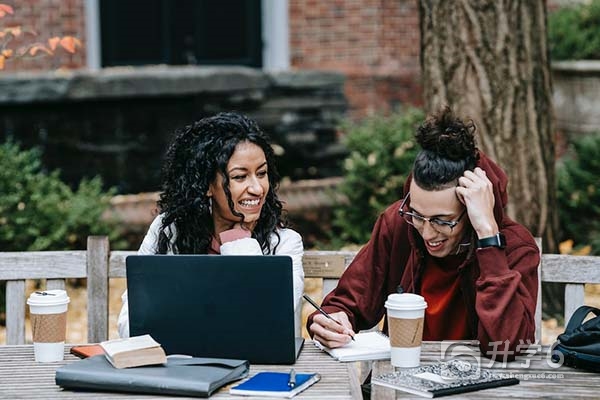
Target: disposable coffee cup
x,y
48,314
405,313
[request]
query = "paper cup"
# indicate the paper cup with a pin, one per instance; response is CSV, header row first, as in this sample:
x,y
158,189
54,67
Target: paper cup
x,y
405,313
48,313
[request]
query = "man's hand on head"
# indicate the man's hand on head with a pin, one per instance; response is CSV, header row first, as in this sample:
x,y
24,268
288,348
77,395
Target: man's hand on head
x,y
476,192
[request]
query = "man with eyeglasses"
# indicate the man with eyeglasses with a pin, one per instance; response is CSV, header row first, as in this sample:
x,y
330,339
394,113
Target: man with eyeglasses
x,y
449,240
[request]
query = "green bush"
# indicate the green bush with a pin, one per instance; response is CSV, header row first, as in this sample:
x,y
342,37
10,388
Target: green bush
x,y
382,151
574,32
579,192
40,212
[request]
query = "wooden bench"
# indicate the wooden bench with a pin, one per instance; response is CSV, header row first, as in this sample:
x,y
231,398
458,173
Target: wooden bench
x,y
56,267
98,264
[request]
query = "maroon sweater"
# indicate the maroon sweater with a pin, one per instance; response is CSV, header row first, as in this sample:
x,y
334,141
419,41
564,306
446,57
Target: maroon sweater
x,y
499,286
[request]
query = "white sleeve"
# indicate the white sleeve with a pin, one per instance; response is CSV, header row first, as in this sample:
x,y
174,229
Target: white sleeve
x,y
291,245
148,246
243,246
123,321
150,243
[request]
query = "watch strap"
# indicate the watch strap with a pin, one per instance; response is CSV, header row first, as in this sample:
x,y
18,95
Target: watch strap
x,y
498,240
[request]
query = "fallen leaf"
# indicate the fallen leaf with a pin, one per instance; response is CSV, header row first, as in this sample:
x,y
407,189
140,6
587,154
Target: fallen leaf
x,y
53,42
33,50
1,62
5,9
13,30
584,251
70,43
566,247
7,53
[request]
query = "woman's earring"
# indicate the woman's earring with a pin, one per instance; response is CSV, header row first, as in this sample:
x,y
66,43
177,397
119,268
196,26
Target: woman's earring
x,y
210,205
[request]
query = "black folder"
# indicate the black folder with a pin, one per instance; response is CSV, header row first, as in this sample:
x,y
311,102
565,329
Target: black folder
x,y
198,377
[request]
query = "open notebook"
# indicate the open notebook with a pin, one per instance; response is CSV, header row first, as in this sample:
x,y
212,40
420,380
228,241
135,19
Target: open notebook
x,y
366,346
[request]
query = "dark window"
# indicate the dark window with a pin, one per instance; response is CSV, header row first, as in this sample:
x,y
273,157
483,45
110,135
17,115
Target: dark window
x,y
176,32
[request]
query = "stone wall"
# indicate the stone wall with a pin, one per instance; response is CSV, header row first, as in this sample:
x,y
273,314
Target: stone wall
x,y
576,96
117,122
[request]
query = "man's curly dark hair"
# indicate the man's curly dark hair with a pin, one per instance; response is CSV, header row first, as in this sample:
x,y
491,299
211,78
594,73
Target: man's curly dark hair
x,y
191,164
448,149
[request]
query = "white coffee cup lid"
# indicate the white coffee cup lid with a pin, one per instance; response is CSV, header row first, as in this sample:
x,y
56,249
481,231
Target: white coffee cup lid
x,y
48,298
405,301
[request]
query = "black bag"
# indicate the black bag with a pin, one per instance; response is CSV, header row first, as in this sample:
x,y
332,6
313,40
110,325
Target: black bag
x,y
579,345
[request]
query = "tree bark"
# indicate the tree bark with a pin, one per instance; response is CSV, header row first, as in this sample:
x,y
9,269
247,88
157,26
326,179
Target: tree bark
x,y
488,60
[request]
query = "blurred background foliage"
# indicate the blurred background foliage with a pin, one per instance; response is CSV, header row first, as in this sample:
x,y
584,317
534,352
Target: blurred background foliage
x,y
574,32
579,193
381,153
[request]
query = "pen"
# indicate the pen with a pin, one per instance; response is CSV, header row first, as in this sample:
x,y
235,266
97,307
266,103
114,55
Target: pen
x,y
315,305
292,380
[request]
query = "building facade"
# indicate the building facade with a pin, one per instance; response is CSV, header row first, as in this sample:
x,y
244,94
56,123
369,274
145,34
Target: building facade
x,y
374,43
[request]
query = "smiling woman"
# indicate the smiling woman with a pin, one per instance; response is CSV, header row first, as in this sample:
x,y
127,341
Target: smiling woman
x,y
219,197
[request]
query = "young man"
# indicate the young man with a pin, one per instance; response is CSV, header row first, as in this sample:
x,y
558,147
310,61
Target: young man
x,y
450,241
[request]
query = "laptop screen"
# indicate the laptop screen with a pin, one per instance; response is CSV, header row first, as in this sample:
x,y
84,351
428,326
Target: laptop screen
x,y
237,307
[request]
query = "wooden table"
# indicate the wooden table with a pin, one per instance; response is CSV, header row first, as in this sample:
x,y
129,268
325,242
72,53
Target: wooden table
x,y
22,378
537,378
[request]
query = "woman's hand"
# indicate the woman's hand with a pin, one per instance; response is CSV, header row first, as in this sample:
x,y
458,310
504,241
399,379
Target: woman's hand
x,y
329,333
476,192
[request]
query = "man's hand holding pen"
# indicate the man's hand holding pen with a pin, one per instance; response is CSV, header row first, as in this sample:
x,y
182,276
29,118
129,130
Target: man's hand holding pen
x,y
331,333
329,330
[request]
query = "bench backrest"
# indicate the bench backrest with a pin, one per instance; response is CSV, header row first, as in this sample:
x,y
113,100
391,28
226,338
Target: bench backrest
x,y
98,264
573,271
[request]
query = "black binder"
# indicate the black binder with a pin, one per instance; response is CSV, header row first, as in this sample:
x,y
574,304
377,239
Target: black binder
x,y
198,377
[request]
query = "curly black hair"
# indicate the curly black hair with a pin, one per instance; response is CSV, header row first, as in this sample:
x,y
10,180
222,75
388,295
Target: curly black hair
x,y
191,164
448,149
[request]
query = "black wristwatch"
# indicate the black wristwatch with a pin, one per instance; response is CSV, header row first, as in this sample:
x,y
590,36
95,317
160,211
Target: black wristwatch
x,y
498,240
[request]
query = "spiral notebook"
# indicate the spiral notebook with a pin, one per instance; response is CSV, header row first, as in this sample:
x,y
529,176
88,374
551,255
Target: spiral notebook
x,y
366,346
443,379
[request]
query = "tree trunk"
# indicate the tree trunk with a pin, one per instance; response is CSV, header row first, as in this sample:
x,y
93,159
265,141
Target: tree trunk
x,y
488,60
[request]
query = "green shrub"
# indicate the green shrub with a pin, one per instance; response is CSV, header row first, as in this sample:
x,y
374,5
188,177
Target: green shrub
x,y
579,192
40,212
382,150
574,32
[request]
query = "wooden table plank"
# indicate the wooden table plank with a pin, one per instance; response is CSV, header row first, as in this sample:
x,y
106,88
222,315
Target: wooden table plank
x,y
22,378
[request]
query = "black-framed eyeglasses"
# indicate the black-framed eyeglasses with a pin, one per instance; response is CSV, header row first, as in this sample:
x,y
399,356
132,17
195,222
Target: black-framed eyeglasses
x,y
418,221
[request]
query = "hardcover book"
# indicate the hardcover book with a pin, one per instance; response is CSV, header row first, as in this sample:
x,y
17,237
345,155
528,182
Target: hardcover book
x,y
443,379
275,384
198,377
87,350
366,346
134,351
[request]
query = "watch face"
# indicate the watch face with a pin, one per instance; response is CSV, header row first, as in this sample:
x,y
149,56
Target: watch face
x,y
502,240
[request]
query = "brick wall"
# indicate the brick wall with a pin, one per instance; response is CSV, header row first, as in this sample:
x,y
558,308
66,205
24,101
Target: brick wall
x,y
374,42
41,20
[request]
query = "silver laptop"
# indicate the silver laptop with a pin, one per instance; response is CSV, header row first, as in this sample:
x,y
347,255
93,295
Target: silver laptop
x,y
239,307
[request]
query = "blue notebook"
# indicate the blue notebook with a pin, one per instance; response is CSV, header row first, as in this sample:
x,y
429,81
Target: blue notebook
x,y
275,384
